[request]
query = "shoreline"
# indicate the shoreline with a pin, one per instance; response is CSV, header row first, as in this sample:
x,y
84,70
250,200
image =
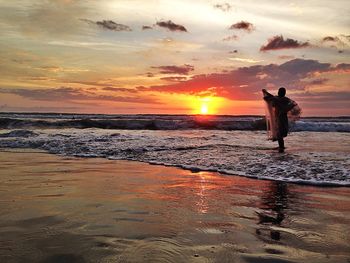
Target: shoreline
x,y
94,209
193,170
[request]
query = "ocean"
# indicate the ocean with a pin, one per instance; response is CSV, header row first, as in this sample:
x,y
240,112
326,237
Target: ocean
x,y
318,148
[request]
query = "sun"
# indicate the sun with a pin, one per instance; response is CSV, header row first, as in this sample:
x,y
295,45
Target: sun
x,y
208,105
204,109
204,105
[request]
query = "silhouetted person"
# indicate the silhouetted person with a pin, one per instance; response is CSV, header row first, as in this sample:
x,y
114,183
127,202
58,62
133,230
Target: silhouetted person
x,y
282,105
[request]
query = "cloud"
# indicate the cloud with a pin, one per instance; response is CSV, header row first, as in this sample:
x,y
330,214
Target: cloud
x,y
76,95
319,81
8,108
229,38
108,25
176,79
278,42
55,69
340,39
181,70
245,83
341,68
243,25
286,57
225,7
146,27
44,19
329,38
114,89
323,97
39,78
338,42
171,26
248,60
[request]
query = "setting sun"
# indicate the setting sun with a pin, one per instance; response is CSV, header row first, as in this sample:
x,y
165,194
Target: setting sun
x,y
207,105
204,109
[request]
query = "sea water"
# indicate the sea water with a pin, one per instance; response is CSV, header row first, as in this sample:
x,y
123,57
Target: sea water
x,y
318,149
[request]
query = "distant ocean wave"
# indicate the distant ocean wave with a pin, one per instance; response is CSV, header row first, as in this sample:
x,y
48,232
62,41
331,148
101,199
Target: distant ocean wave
x,y
163,122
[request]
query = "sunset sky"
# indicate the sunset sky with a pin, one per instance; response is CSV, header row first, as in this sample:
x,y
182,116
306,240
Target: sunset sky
x,y
173,57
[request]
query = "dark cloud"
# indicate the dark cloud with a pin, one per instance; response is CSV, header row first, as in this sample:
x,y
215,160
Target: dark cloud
x,y
245,83
301,68
174,79
331,39
146,27
9,108
108,25
338,42
340,39
230,38
278,42
87,83
233,51
243,25
223,7
342,67
319,81
21,60
285,57
114,89
323,97
76,95
149,74
171,26
181,70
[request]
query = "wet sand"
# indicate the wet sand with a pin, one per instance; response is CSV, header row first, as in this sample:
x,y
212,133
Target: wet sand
x,y
59,209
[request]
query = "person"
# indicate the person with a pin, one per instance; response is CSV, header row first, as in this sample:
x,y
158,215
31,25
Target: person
x,y
281,105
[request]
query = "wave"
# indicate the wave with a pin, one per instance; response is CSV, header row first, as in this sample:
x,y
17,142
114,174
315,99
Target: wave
x,y
325,126
242,153
169,122
136,124
18,133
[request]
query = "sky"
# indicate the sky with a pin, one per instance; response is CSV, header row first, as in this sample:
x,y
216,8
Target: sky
x,y
173,57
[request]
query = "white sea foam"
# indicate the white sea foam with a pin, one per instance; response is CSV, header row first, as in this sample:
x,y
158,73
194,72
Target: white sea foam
x,y
315,158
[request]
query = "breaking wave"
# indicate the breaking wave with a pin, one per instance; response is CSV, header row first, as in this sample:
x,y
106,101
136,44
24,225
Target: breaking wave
x,y
244,153
163,122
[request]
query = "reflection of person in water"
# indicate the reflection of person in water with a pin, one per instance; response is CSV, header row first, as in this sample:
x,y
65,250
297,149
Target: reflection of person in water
x,y
281,105
274,201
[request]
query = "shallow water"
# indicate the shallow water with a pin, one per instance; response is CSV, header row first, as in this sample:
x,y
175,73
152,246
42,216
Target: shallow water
x,y
59,209
311,157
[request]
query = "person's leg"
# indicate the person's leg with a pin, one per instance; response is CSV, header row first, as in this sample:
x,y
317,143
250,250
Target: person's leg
x,y
280,144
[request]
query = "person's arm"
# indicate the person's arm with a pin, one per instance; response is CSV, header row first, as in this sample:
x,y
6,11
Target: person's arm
x,y
267,96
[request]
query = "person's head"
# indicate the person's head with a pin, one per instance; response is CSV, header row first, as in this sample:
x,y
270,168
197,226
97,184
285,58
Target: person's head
x,y
281,92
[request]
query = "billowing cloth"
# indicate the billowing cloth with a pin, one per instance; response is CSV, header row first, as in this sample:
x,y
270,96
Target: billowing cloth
x,y
280,110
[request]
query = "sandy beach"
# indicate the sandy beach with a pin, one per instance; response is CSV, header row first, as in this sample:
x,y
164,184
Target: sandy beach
x,y
60,209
